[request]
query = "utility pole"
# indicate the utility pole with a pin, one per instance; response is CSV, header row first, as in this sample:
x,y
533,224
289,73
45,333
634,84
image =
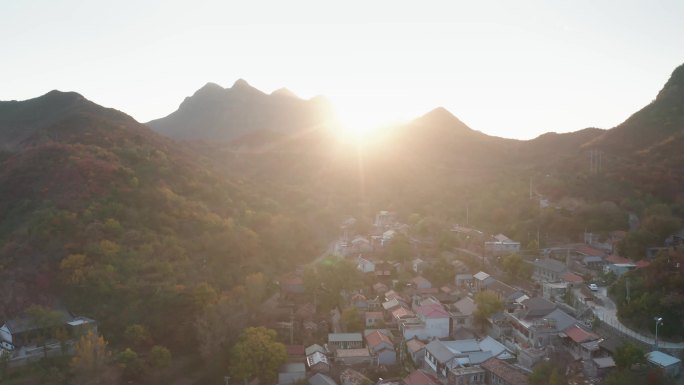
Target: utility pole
x,y
627,297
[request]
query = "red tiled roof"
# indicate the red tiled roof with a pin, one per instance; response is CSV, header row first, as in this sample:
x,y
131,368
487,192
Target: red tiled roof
x,y
432,311
588,250
419,377
295,350
571,277
617,259
376,338
505,371
579,335
642,263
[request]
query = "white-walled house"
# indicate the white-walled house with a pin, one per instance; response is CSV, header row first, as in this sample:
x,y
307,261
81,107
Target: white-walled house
x,y
431,321
364,265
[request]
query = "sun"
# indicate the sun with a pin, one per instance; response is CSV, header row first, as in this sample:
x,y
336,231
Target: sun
x,y
357,125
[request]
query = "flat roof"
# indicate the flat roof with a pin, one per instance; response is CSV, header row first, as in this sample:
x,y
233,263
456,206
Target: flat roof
x,y
662,359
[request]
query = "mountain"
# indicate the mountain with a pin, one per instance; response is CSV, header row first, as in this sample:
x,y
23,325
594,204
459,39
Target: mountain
x,y
101,214
221,114
660,122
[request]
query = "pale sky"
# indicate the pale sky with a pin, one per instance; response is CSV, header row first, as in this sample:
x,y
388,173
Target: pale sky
x,y
508,68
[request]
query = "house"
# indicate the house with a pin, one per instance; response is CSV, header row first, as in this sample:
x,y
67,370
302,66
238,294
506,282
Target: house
x,y
311,349
384,219
579,342
295,353
387,237
432,321
571,279
321,379
421,377
463,280
501,245
503,373
442,356
594,262
554,290
291,285
364,265
502,290
353,356
619,268
384,270
599,366
24,331
361,245
671,365
548,270
288,374
462,313
345,340
469,375
381,346
416,350
420,282
380,288
374,319
538,322
318,362
359,301
418,265
481,280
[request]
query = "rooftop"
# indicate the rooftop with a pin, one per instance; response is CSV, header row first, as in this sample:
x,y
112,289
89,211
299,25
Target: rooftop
x,y
505,371
321,379
414,345
579,335
420,377
345,337
346,353
376,338
551,264
481,276
661,359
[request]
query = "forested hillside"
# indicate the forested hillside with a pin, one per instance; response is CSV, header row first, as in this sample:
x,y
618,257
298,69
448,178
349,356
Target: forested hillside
x,y
100,214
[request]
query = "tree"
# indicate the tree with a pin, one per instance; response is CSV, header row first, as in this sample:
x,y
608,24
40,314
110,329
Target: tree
x,y
47,322
546,373
620,377
629,355
90,358
351,319
441,273
137,335
257,354
487,305
159,357
399,249
256,288
129,362
516,268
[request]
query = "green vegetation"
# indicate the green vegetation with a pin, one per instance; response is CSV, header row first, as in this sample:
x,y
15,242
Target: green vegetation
x,y
656,290
487,305
257,354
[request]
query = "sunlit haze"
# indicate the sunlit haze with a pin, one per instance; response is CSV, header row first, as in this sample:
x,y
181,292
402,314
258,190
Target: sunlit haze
x,y
511,69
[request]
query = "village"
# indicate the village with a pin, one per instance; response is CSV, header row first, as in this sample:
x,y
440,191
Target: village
x,y
482,326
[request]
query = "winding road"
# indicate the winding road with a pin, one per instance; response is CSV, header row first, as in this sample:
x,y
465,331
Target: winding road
x,y
608,314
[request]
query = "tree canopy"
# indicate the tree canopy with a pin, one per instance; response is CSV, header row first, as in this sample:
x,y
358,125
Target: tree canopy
x,y
257,354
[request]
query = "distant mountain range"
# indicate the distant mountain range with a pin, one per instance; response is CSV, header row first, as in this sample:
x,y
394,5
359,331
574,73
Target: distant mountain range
x,y
222,114
230,175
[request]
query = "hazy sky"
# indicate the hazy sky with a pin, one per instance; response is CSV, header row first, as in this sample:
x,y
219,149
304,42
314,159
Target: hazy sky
x,y
508,68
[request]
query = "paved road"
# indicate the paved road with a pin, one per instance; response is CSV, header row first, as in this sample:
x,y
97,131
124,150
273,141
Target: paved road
x,y
608,314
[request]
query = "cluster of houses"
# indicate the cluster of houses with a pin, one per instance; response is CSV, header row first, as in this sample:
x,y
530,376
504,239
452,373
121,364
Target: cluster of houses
x,y
434,328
